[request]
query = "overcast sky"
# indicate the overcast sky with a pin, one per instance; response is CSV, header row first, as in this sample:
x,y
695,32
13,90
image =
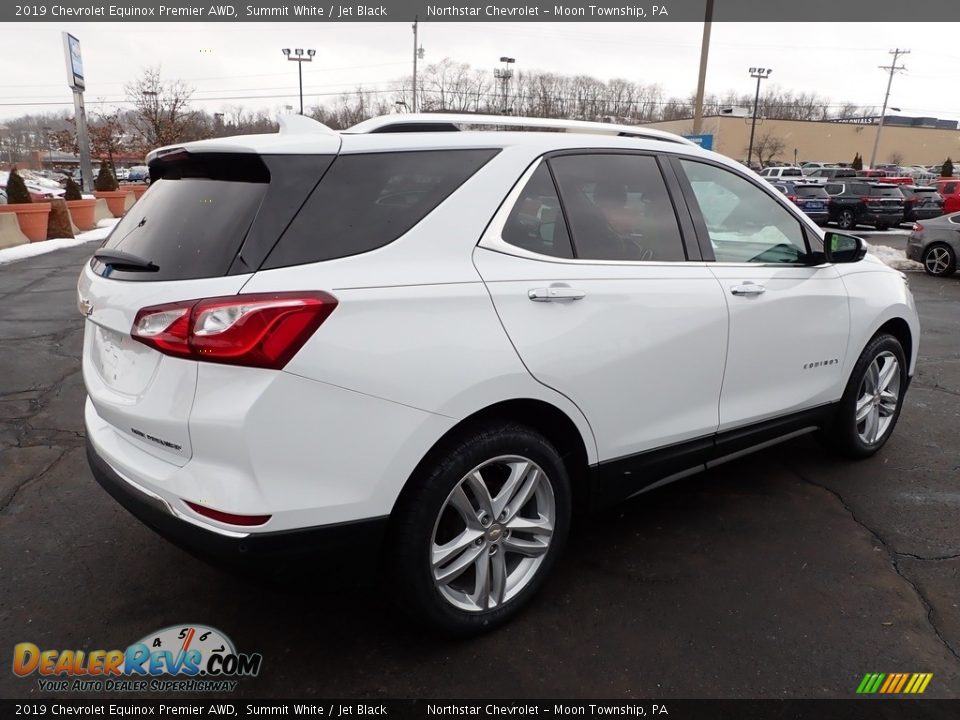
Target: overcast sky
x,y
235,61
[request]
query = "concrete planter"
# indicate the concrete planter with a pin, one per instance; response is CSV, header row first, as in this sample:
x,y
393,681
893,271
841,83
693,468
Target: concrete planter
x,y
33,218
137,188
114,198
82,213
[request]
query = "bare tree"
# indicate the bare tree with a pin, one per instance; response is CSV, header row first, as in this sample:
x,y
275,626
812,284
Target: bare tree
x,y
161,111
767,147
896,157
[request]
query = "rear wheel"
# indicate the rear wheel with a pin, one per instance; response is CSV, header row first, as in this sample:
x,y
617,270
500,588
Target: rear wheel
x,y
480,531
872,401
846,220
882,226
939,260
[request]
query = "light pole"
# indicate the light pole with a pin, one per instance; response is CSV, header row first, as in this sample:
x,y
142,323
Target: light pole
x,y
759,74
503,75
299,58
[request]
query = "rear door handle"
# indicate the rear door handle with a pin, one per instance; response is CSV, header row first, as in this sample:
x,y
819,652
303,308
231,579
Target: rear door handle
x,y
556,293
748,288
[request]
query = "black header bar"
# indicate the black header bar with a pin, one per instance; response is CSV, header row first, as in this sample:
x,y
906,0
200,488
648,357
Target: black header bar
x,y
641,11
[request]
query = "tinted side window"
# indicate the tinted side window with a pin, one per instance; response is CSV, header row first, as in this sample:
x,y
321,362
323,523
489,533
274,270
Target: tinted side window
x,y
618,208
536,223
367,201
743,222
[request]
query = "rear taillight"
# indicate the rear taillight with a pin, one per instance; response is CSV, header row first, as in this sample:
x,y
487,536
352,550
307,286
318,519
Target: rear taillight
x,y
868,199
263,330
917,227
792,198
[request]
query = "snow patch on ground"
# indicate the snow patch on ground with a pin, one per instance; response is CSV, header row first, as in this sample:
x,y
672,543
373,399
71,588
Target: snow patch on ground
x,y
22,252
894,258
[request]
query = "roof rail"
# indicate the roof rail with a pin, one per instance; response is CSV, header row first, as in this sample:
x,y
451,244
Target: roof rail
x,y
441,122
302,125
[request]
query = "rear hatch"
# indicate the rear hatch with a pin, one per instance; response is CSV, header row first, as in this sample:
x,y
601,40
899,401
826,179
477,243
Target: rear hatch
x,y
811,198
202,228
926,199
885,199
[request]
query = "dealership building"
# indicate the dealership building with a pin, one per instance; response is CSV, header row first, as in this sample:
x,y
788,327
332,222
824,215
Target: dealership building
x,y
916,141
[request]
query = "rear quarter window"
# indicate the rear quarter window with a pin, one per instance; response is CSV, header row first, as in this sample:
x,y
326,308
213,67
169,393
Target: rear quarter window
x,y
366,201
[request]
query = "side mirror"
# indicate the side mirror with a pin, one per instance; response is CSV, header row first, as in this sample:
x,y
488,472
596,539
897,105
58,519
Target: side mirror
x,y
840,248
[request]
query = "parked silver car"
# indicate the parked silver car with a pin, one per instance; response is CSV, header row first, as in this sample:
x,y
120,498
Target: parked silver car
x,y
935,243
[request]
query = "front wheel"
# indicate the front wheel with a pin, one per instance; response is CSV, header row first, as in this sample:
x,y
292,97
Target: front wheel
x,y
871,403
479,530
939,260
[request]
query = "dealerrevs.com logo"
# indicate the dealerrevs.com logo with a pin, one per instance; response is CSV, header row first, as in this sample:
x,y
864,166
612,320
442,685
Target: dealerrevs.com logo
x,y
180,658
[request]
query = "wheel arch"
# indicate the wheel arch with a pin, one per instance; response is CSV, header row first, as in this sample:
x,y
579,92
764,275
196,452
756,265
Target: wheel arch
x,y
541,416
900,329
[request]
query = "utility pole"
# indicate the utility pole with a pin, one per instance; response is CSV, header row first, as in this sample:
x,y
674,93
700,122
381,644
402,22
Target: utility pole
x,y
702,79
416,52
892,67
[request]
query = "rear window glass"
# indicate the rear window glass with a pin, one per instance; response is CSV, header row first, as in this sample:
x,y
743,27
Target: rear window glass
x,y
808,191
189,224
924,191
367,201
536,222
791,172
618,208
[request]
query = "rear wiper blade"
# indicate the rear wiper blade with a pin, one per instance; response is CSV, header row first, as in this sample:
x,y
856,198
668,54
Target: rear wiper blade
x,y
119,260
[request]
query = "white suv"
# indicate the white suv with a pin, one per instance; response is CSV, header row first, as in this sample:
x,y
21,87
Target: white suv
x,y
426,346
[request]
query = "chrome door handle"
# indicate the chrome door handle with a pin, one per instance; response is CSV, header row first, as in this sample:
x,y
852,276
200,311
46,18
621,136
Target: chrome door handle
x,y
748,288
555,294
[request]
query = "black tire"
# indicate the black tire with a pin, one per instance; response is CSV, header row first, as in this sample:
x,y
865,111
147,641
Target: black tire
x,y
882,226
932,259
418,513
842,433
846,220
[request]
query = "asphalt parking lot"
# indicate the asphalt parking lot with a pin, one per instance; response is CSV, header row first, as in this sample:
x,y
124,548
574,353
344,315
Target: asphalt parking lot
x,y
785,574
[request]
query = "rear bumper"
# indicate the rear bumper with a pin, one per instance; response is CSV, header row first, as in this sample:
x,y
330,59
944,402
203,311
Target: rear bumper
x,y
922,213
818,216
358,542
891,218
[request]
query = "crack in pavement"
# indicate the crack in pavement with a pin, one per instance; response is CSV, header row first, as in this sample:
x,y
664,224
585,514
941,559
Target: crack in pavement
x,y
927,559
892,554
32,478
936,387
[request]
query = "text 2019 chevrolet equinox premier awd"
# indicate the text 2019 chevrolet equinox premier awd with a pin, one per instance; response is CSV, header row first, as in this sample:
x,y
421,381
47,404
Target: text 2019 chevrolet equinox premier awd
x,y
425,345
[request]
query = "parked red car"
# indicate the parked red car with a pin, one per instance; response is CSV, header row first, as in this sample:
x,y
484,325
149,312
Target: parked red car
x,y
949,188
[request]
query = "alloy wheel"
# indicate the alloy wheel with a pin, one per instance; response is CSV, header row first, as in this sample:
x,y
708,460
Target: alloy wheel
x,y
492,533
846,220
937,260
878,398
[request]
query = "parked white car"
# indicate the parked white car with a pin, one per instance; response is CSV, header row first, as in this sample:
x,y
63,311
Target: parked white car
x,y
423,349
788,172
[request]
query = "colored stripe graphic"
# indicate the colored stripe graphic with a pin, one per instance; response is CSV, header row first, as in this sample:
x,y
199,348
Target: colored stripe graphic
x,y
894,683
